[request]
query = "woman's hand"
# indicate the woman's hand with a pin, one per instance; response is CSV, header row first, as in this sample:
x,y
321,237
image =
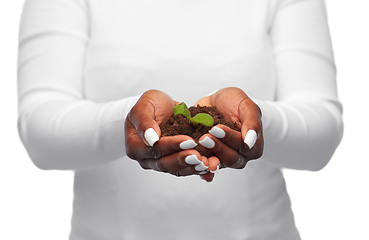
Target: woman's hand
x,y
234,149
173,154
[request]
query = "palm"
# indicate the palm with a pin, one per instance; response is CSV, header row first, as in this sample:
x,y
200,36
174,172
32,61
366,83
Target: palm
x,y
233,148
153,108
166,154
227,101
163,107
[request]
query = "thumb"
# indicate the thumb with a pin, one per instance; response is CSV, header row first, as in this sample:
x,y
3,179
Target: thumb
x,y
250,116
150,110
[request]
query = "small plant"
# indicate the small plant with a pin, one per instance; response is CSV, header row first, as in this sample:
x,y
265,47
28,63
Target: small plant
x,y
202,118
182,109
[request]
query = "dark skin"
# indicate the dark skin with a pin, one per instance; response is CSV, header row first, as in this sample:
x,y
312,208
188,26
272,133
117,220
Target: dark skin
x,y
155,107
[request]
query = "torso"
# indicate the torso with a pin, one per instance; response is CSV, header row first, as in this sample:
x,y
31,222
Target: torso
x,y
187,49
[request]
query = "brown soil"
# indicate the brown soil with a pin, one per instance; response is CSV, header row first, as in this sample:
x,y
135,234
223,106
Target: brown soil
x,y
180,125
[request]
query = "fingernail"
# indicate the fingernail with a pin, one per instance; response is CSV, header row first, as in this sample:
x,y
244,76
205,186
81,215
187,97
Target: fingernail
x,y
201,167
203,172
151,136
207,142
215,170
187,144
217,132
192,160
250,138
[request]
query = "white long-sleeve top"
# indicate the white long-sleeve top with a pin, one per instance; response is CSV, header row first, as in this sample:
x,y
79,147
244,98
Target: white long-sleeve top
x,y
84,63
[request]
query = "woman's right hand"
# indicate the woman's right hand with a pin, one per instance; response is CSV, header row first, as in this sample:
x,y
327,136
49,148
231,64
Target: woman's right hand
x,y
174,154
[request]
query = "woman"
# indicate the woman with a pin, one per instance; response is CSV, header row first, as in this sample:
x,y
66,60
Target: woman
x,y
86,73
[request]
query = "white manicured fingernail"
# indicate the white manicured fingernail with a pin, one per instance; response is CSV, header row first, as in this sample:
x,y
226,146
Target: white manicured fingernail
x,y
207,142
203,172
187,144
151,136
192,160
215,170
250,138
201,167
217,132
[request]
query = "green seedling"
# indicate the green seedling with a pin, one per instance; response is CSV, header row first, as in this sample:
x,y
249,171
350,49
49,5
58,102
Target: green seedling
x,y
182,109
202,118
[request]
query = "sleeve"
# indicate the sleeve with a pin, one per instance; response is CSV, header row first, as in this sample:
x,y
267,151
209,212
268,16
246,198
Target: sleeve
x,y
303,126
59,128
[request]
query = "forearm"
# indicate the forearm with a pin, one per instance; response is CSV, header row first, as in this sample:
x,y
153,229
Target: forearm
x,y
73,134
58,126
303,125
302,135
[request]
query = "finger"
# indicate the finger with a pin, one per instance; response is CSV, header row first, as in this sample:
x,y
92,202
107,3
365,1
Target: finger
x,y
230,137
207,177
184,163
233,139
153,108
227,155
214,164
200,164
251,125
138,150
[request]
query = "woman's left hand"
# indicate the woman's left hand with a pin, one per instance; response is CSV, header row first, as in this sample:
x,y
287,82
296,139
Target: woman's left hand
x,y
233,148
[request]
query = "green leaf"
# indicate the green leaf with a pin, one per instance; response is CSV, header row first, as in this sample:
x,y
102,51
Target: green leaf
x,y
203,118
182,109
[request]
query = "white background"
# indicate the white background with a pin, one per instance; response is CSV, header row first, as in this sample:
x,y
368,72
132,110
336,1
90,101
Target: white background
x,y
329,204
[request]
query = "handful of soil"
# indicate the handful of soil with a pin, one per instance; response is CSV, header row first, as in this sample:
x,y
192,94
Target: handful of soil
x,y
180,125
